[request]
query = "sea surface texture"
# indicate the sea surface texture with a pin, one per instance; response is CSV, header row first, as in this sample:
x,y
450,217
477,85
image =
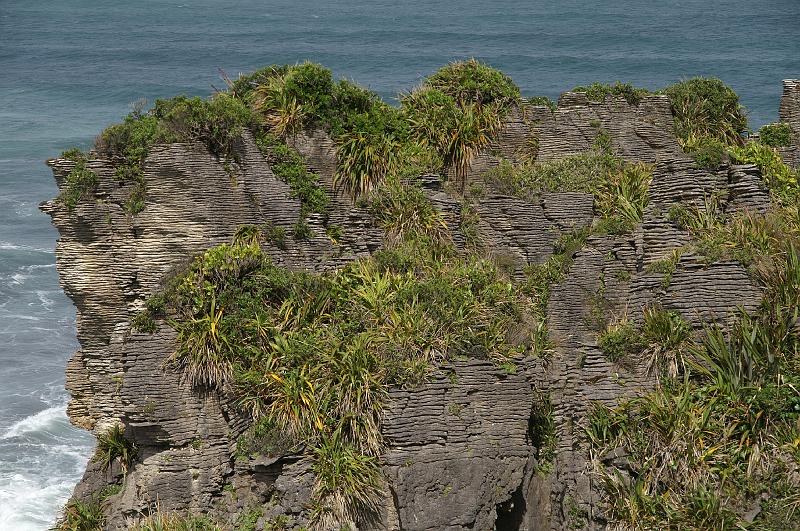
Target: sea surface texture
x,y
69,68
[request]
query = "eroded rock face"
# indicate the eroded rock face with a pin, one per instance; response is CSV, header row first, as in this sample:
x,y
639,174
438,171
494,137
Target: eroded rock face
x,y
460,450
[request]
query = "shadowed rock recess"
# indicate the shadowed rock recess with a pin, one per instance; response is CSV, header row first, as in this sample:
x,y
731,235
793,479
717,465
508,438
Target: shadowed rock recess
x,y
478,443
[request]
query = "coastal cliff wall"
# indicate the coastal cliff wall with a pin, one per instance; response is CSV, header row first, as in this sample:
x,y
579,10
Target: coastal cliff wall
x,y
460,452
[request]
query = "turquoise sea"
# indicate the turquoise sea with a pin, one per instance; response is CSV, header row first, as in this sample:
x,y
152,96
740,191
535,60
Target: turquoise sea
x,y
70,67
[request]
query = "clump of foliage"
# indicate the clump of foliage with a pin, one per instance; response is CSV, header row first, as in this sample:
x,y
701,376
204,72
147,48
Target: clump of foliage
x,y
81,516
599,91
706,110
290,167
217,122
168,521
543,433
458,111
709,153
778,176
114,446
313,356
619,188
779,134
620,340
407,215
80,180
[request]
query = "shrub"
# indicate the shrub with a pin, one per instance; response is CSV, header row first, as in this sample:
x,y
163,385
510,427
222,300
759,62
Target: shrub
x,y
405,214
599,91
113,446
458,111
80,181
779,134
81,516
709,153
472,82
706,108
779,177
290,167
620,340
363,161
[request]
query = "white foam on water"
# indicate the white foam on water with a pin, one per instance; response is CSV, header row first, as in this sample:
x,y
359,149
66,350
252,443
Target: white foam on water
x,y
49,418
47,302
35,486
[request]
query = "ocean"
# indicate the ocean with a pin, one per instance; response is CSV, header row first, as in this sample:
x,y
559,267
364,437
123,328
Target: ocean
x,y
68,68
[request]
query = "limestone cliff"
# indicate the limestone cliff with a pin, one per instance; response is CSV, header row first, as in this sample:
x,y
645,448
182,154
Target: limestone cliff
x,y
460,451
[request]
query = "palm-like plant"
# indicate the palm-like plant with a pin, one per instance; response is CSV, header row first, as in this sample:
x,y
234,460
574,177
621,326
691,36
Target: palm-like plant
x,y
279,107
363,161
113,446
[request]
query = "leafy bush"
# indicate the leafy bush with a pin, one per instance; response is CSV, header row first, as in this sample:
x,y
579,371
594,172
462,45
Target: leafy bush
x,y
406,214
290,167
81,516
620,340
363,161
113,446
458,110
779,134
779,177
709,153
706,108
599,91
80,180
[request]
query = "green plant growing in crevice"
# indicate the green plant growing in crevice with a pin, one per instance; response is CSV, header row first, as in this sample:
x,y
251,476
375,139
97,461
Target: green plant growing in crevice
x,y
598,92
112,445
290,167
779,134
406,214
666,267
81,516
620,340
542,433
80,180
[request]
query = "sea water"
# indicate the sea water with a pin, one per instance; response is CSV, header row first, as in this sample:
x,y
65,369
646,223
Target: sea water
x,y
70,67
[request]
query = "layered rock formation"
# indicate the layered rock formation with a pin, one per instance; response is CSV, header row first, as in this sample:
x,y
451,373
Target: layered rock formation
x,y
460,450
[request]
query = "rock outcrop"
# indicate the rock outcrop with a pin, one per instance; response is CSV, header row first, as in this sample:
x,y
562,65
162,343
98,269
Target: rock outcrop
x,y
460,453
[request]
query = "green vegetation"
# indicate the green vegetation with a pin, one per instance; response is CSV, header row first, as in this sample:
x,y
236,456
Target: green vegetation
x,y
290,167
619,187
706,108
599,91
80,180
620,340
312,356
779,134
81,516
165,521
458,110
720,434
543,434
113,446
780,178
